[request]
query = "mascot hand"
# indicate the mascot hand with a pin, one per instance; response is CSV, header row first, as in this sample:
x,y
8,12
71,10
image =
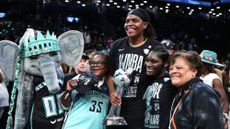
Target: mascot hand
x,y
86,82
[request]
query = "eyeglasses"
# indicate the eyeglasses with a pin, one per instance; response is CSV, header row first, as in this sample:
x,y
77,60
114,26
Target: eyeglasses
x,y
96,63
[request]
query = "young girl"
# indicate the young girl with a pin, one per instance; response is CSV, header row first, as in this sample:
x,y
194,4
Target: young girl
x,y
89,100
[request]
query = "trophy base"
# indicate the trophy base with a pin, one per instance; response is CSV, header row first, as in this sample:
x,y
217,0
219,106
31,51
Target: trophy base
x,y
115,121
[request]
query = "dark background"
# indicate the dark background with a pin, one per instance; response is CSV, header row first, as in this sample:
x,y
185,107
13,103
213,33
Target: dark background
x,y
210,30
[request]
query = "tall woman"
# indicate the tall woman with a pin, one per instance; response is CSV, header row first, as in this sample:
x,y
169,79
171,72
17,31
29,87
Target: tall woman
x,y
131,51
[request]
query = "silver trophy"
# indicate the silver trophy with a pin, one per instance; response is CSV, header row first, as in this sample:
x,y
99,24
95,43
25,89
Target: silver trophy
x,y
121,79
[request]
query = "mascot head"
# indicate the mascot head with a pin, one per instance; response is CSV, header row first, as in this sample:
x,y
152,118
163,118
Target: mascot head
x,y
41,57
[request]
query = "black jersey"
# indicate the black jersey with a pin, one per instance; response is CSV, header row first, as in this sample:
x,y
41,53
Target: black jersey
x,y
122,55
46,112
158,97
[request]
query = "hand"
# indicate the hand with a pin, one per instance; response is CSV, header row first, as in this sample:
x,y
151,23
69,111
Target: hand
x,y
114,99
225,119
70,85
226,124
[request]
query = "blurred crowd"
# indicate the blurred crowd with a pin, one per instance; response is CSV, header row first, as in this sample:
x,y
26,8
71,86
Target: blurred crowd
x,y
187,45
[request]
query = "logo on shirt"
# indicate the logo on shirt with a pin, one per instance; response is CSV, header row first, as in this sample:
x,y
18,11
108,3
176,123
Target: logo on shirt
x,y
56,120
152,114
122,49
146,51
53,122
134,61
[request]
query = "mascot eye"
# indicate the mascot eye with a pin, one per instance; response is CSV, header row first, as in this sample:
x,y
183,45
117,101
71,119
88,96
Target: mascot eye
x,y
34,57
52,53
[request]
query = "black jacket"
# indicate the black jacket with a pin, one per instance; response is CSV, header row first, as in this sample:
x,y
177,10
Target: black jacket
x,y
196,106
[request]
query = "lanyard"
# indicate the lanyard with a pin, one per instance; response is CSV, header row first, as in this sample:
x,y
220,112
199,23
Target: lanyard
x,y
172,121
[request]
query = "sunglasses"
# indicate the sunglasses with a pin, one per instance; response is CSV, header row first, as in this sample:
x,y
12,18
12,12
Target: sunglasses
x,y
96,63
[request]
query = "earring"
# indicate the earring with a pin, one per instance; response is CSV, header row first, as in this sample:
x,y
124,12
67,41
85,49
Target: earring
x,y
193,76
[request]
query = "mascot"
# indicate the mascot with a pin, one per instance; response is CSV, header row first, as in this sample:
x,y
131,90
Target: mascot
x,y
34,66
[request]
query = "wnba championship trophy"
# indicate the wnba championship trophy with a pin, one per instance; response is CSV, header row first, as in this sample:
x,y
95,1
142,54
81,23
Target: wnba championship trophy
x,y
121,80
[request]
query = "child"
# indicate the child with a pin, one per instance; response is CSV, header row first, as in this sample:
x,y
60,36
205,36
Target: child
x,y
89,98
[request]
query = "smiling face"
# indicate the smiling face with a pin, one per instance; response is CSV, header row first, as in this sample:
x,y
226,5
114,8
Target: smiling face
x,y
154,64
97,65
134,26
181,72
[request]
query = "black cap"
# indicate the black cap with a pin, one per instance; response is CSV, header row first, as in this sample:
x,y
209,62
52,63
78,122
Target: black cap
x,y
168,44
84,56
140,13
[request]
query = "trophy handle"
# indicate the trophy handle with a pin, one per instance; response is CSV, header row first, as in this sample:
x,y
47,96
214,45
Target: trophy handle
x,y
115,110
113,118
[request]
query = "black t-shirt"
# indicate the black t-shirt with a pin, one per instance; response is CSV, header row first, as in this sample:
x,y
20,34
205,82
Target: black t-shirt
x,y
158,97
122,55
